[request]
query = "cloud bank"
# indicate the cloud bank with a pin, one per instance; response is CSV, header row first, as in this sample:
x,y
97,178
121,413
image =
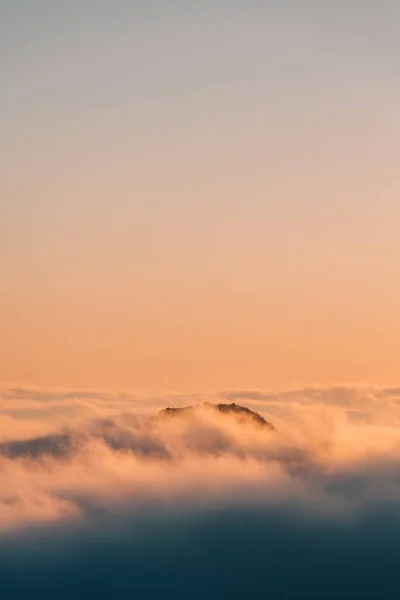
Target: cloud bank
x,y
100,498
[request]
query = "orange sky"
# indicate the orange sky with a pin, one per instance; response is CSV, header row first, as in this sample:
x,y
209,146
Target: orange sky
x,y
205,201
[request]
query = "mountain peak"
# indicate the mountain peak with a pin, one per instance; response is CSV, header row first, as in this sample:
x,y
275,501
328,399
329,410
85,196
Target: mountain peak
x,y
243,413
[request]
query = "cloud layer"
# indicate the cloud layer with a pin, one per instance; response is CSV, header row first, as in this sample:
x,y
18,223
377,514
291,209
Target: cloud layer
x,y
98,497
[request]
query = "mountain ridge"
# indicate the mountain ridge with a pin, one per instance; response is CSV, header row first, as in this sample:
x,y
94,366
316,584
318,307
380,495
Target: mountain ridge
x,y
244,413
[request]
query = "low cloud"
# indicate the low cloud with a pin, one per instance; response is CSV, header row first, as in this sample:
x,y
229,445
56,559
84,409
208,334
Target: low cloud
x,y
101,498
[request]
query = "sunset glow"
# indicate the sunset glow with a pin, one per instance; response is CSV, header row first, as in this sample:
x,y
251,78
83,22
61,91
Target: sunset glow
x,y
199,299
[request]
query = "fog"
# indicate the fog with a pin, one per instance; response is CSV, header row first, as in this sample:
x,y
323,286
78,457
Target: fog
x,y
99,496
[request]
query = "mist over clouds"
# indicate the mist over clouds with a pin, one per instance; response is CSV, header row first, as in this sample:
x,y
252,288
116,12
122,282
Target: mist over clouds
x,y
101,497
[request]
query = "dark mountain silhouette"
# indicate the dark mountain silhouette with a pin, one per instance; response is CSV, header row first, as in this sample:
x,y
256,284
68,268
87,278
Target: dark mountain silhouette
x,y
65,445
242,413
58,445
140,442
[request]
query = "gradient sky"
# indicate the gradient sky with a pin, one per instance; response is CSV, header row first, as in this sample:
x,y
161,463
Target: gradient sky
x,y
199,195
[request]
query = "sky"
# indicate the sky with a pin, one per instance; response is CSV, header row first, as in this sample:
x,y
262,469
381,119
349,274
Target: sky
x,y
199,195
